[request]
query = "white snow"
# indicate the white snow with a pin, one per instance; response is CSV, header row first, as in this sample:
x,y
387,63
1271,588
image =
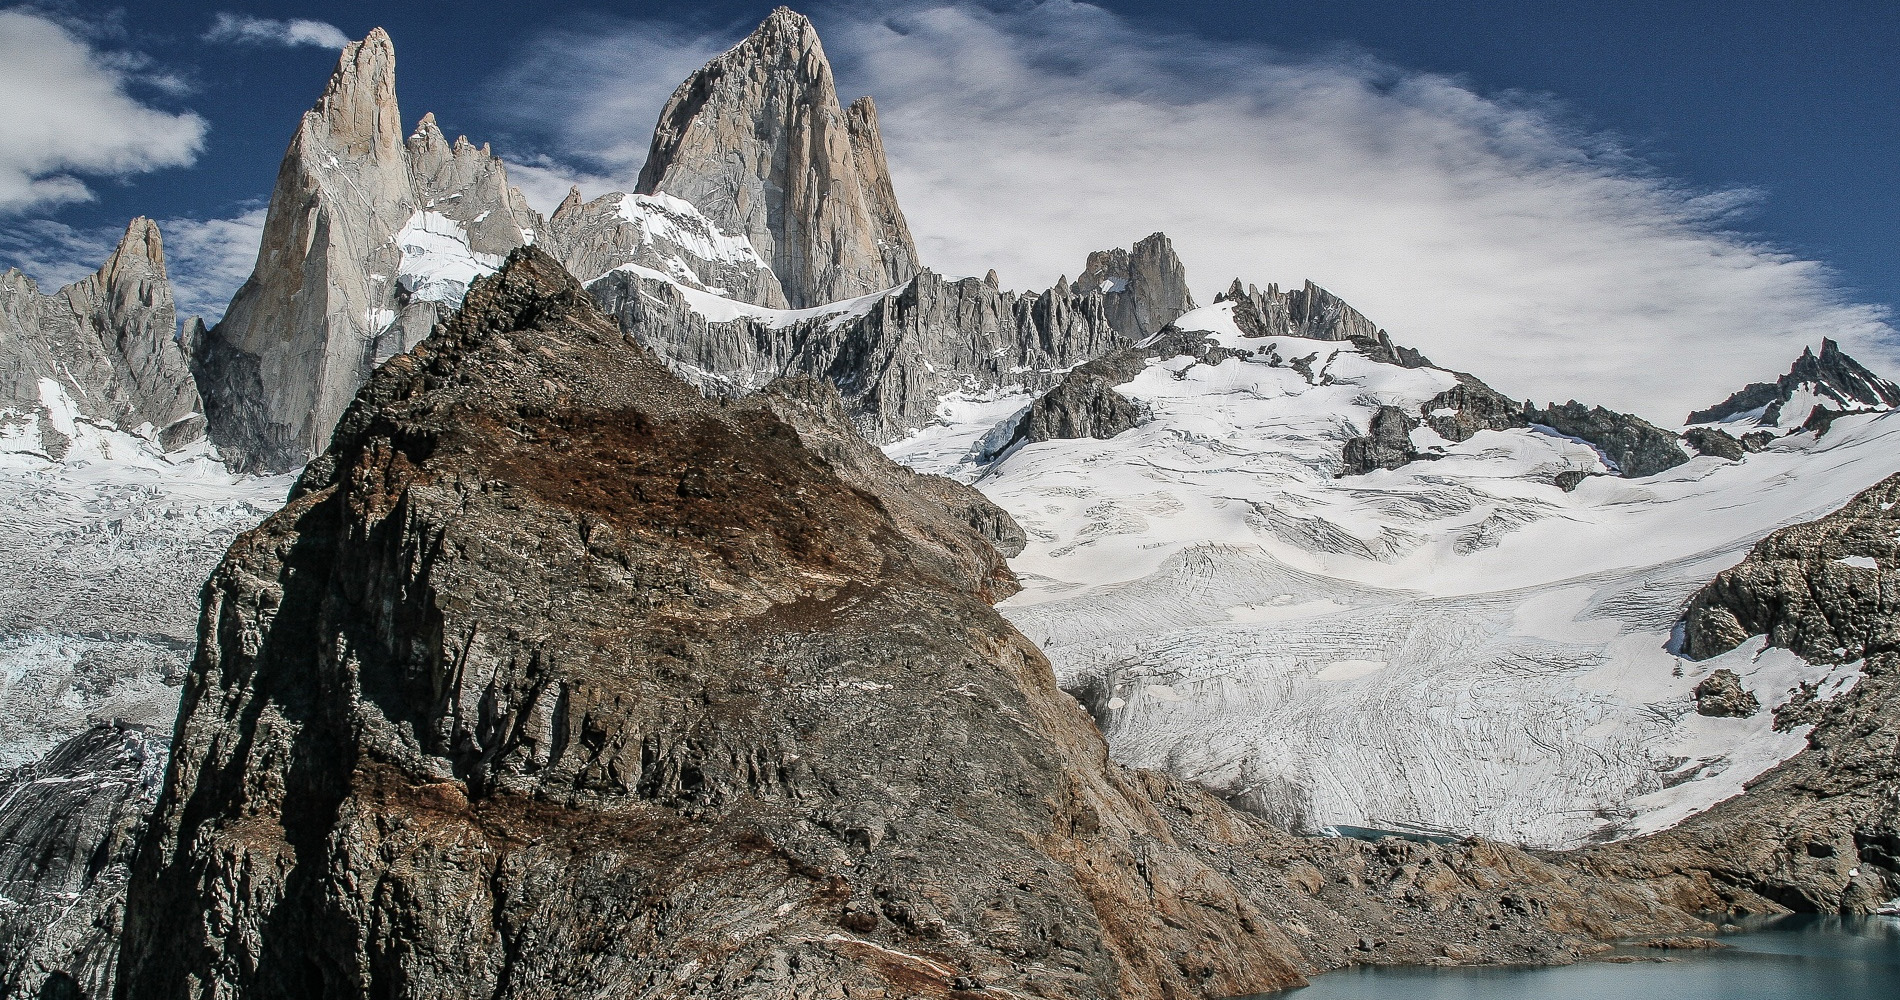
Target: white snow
x,y
675,220
1858,562
719,309
101,558
437,264
1456,644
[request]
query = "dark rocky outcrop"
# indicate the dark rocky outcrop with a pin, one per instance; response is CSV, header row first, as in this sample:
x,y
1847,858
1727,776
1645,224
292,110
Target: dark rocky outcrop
x,y
554,677
1469,407
1084,404
1834,379
758,141
1386,445
1715,441
1633,445
105,346
1820,832
1721,695
1757,440
1314,313
69,827
1797,587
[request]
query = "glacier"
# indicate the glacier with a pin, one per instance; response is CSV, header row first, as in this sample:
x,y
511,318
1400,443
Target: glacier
x,y
1456,646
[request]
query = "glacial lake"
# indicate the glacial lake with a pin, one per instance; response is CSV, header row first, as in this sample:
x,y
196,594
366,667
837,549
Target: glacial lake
x,y
1816,958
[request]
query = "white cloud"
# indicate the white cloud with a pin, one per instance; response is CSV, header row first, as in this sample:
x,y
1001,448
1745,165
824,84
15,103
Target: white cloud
x,y
243,29
65,113
208,259
1481,229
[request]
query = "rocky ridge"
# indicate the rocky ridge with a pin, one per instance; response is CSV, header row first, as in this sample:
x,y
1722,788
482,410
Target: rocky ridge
x,y
894,357
554,675
757,140
103,349
1830,381
69,828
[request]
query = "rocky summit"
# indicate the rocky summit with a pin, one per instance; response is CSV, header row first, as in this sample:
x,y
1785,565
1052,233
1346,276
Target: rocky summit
x,y
554,677
368,234
758,141
103,349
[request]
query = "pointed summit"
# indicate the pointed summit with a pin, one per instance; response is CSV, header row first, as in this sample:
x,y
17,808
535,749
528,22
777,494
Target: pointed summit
x,y
1831,381
757,140
103,348
359,103
367,234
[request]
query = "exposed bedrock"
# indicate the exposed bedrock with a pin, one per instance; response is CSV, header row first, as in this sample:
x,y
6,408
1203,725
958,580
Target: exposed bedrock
x,y
1635,446
69,827
758,141
555,678
106,346
1821,832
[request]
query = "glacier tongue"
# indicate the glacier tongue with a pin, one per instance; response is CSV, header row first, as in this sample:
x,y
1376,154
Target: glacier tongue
x,y
1456,645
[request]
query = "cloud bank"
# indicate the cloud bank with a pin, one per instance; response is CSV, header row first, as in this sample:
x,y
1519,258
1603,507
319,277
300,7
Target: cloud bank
x,y
65,113
243,29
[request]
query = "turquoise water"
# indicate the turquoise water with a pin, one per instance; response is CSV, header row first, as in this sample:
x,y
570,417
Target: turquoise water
x,y
1815,958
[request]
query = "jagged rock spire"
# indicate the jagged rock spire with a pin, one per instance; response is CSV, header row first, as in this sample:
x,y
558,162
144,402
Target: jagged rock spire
x,y
1830,381
330,296
757,140
104,348
1145,289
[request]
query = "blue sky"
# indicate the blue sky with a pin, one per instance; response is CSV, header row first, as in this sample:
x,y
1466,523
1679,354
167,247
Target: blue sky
x,y
1486,179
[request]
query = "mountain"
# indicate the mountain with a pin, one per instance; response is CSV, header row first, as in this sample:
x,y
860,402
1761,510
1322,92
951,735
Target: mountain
x,y
666,739
104,349
1359,650
898,357
367,236
1832,381
757,140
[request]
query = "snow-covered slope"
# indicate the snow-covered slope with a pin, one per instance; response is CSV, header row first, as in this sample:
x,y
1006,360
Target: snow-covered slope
x,y
1455,645
101,559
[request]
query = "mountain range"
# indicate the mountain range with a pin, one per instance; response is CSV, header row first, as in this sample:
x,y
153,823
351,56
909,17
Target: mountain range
x,y
691,593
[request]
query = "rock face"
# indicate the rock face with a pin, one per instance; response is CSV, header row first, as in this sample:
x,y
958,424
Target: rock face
x,y
1469,407
103,349
663,234
1823,589
366,238
1831,381
757,140
1717,442
1313,313
1145,289
549,662
1386,445
1635,446
1721,695
892,357
69,827
1821,832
